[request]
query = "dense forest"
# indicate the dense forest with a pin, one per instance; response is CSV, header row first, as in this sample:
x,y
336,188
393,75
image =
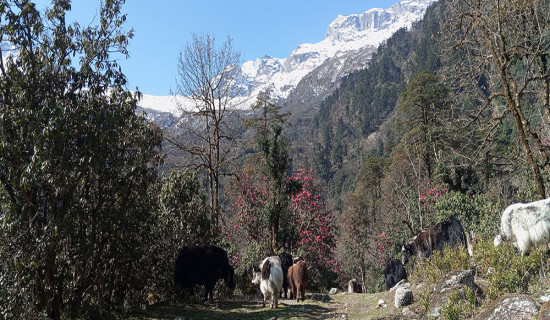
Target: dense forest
x,y
432,127
451,117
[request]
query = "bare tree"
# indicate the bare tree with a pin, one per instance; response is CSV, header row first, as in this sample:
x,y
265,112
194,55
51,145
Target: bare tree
x,y
500,49
207,75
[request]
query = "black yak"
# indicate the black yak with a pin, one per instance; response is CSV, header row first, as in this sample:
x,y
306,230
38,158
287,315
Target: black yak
x,y
393,273
202,265
448,232
286,262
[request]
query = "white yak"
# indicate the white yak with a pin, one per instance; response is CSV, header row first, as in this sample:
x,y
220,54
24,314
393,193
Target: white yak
x,y
269,275
526,225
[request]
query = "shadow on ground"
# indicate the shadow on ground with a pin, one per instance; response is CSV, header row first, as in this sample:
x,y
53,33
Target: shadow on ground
x,y
238,309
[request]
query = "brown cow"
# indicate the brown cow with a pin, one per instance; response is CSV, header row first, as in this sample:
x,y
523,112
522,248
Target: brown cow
x,y
298,279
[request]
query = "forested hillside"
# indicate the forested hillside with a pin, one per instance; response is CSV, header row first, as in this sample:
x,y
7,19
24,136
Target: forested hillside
x,y
349,124
429,129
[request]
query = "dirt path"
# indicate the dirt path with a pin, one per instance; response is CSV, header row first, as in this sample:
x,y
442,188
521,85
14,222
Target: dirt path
x,y
339,306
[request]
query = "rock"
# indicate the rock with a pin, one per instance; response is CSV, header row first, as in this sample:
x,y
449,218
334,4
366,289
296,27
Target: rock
x,y
510,306
452,282
381,304
333,291
320,297
407,312
400,284
304,309
403,297
544,298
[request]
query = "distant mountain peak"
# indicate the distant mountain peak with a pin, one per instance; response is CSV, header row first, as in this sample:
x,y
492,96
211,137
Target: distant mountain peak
x,y
348,45
351,27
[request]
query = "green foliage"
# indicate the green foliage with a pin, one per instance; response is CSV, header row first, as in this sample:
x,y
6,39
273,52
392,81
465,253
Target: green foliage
x,y
76,168
365,244
420,119
183,211
266,113
478,215
506,271
460,303
277,162
425,300
431,270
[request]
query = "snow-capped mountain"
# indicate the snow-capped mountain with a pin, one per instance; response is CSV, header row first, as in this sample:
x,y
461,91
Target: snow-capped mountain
x,y
346,37
347,46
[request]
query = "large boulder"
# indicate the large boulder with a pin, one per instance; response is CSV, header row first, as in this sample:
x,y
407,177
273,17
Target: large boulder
x,y
451,283
403,297
510,307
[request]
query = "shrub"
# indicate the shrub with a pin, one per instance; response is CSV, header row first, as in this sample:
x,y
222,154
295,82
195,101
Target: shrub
x,y
431,270
459,304
479,216
506,271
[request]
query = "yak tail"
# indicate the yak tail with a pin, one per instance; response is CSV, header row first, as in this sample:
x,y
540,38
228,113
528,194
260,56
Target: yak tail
x,y
266,270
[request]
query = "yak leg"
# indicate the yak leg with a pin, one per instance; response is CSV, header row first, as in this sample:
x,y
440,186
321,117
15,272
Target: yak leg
x,y
274,300
266,298
209,292
184,289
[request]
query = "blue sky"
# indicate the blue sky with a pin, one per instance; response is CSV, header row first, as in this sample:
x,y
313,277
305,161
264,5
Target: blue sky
x,y
257,27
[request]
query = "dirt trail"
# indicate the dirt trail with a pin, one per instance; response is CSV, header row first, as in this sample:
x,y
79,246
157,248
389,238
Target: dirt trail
x,y
339,306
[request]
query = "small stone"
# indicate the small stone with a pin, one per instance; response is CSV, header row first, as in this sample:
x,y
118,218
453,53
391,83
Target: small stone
x,y
304,309
407,312
333,291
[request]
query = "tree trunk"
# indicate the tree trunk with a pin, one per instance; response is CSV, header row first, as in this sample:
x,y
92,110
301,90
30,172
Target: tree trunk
x,y
535,171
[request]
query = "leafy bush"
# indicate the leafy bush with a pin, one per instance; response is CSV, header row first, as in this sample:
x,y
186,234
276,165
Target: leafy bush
x,y
182,220
459,304
431,270
506,271
478,215
77,164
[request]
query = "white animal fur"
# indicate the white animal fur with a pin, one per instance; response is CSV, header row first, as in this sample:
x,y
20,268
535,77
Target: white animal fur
x,y
526,225
271,287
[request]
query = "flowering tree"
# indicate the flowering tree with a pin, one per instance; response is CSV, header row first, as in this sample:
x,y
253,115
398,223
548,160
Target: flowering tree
x,y
314,225
250,197
307,229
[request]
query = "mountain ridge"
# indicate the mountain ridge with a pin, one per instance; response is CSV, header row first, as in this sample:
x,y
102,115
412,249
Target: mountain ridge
x,y
348,44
